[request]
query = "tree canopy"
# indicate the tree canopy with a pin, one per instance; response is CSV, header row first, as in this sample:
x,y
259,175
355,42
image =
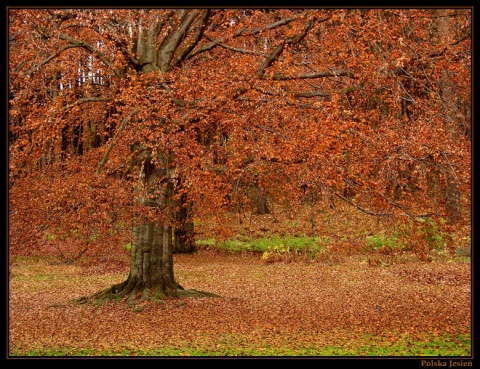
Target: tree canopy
x,y
109,109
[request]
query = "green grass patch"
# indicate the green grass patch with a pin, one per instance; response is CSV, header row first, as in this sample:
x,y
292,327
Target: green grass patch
x,y
206,242
273,244
376,242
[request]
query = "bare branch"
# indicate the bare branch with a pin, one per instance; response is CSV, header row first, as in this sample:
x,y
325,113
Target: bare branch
x,y
279,49
397,206
207,47
337,73
243,51
311,94
124,49
254,31
366,211
41,64
462,39
248,32
79,43
177,101
270,59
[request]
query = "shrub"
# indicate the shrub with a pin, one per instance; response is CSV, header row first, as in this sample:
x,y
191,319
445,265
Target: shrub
x,y
290,249
421,236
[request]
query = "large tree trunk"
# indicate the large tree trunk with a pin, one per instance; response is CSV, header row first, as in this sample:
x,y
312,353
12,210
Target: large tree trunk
x,y
151,270
151,265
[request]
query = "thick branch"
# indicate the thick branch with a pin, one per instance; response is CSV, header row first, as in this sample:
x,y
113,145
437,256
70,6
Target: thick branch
x,y
201,23
124,49
254,31
114,139
308,94
270,59
245,31
101,56
242,51
177,101
165,54
84,101
207,47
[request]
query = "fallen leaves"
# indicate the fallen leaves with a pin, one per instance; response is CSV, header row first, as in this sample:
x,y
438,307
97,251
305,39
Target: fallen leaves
x,y
293,305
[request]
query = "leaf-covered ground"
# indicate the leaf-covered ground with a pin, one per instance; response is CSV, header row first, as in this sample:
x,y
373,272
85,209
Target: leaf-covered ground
x,y
314,309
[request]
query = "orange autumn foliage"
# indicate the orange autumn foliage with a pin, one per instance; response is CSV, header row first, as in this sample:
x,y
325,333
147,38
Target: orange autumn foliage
x,y
368,106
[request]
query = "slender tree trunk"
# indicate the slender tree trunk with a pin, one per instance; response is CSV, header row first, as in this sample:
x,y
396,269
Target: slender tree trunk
x,y
184,240
447,90
183,234
452,199
262,205
434,186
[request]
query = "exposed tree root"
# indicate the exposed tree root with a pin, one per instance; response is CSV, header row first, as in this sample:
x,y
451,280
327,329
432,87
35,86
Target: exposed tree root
x,y
134,293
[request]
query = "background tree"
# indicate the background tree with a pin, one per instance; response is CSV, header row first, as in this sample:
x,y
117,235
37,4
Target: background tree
x,y
151,117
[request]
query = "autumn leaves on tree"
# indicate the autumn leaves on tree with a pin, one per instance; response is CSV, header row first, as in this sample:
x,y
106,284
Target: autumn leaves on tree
x,y
151,117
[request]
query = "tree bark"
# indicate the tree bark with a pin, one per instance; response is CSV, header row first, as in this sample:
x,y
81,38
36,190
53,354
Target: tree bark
x,y
151,274
262,206
447,91
151,266
452,199
184,240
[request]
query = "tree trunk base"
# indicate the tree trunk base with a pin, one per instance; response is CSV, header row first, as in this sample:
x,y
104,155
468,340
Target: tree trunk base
x,y
133,293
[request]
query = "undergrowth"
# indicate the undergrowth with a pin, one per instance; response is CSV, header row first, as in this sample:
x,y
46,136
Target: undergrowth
x,y
339,234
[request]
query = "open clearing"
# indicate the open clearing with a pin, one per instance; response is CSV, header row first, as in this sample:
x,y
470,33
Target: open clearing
x,y
300,308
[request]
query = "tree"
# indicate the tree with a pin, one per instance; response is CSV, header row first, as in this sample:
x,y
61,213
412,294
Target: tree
x,y
151,116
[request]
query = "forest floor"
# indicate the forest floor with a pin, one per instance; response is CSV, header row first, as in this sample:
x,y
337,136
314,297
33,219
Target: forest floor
x,y
338,308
